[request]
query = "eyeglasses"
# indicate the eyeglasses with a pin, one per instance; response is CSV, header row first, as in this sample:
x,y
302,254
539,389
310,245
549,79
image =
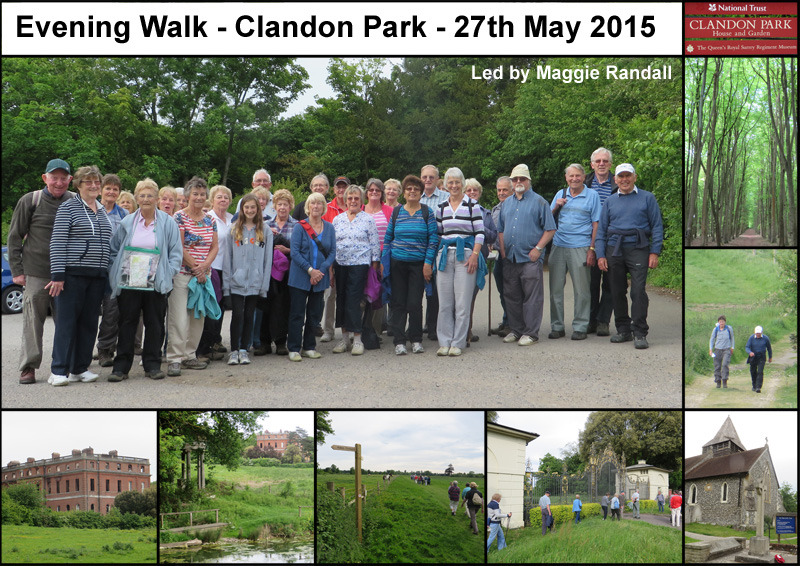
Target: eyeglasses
x,y
91,183
519,179
374,190
262,182
412,189
602,161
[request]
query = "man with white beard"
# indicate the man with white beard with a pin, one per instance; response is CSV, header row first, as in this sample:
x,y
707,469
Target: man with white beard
x,y
526,226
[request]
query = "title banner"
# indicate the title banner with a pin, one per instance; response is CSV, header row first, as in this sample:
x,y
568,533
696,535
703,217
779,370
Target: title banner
x,y
413,28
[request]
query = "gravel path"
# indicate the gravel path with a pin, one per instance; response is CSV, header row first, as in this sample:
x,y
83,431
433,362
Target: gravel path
x,y
553,373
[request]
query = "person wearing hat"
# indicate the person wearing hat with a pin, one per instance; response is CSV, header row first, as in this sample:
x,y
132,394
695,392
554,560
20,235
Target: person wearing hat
x,y
602,181
544,505
432,197
29,257
629,240
757,347
525,227
336,206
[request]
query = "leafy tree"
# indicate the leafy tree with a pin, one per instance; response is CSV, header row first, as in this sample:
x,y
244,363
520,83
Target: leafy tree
x,y
491,417
292,454
143,503
549,464
789,497
323,426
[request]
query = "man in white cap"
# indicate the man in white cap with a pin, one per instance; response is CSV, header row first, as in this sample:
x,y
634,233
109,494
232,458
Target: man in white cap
x,y
629,240
757,348
525,227
29,256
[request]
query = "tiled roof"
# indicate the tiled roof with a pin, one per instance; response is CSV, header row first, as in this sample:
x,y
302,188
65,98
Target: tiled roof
x,y
738,463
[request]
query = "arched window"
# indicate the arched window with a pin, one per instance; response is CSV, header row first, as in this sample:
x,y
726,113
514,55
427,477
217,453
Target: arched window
x,y
693,495
67,507
724,492
92,507
77,507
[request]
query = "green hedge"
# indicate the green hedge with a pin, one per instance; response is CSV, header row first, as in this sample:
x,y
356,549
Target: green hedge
x,y
563,513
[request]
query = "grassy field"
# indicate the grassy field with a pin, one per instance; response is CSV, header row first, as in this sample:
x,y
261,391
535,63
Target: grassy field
x,y
690,539
22,543
593,541
723,531
405,523
736,283
251,497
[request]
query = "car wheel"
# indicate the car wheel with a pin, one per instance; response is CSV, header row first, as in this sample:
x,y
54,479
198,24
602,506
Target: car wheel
x,y
12,299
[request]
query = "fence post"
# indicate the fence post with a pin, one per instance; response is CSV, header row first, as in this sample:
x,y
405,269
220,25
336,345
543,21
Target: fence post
x,y
216,515
344,496
330,486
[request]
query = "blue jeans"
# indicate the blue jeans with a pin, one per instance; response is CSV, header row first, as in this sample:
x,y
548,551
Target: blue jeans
x,y
660,506
496,531
305,312
577,517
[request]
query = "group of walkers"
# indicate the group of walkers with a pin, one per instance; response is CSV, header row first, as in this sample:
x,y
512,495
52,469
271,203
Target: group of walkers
x,y
167,264
722,345
471,501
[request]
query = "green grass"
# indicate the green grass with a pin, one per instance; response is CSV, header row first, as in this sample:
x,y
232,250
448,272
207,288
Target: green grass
x,y
593,541
716,530
256,501
406,523
22,543
687,540
735,277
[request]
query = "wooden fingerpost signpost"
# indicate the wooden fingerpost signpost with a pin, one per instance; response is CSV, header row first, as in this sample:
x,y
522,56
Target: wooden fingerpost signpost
x,y
359,498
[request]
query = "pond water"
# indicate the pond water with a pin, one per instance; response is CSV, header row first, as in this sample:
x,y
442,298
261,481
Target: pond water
x,y
291,552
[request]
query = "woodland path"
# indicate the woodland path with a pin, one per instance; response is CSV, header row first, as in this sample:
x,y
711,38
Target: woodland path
x,y
749,239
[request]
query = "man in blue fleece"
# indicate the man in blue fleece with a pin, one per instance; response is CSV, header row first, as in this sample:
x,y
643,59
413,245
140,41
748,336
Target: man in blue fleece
x,y
757,347
629,240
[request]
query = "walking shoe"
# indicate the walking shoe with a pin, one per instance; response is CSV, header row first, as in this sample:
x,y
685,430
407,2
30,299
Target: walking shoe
x,y
233,358
319,332
203,358
218,347
474,338
57,380
556,334
510,337
281,350
758,390
400,350
617,338
326,337
454,351
154,374
174,369
579,335
417,348
358,349
640,343
602,329
244,359
105,358
311,354
442,351
340,347
27,376
194,363
215,356
117,376
592,328
295,357
85,377
719,385
724,383
501,330
263,350
527,340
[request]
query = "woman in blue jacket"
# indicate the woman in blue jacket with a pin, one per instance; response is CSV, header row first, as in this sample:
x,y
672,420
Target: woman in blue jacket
x,y
147,235
246,274
313,253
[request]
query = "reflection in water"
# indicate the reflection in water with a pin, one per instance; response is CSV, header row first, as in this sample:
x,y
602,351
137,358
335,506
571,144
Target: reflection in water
x,y
253,552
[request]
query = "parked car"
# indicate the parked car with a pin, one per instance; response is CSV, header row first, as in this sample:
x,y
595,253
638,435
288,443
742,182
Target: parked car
x,y
12,293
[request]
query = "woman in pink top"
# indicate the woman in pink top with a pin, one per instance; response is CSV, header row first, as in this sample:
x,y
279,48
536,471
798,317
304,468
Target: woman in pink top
x,y
382,214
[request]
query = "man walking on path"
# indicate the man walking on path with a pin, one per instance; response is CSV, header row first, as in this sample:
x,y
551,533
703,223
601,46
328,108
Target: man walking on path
x,y
544,505
757,347
29,256
675,503
720,347
635,503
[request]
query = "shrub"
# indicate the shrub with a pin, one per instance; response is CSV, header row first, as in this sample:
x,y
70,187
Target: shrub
x,y
287,490
563,514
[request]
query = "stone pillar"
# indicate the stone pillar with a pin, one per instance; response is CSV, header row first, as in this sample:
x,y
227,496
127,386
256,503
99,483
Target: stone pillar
x,y
201,472
759,544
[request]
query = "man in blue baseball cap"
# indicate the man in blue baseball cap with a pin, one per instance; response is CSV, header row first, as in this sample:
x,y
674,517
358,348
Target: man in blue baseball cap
x,y
29,257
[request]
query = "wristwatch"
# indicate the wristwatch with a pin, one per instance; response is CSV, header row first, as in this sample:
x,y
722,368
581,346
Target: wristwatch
x,y
539,249
310,269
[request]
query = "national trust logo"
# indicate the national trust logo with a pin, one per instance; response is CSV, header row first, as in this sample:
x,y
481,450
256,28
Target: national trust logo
x,y
712,7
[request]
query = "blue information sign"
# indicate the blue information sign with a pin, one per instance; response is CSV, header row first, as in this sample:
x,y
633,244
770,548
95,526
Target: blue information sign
x,y
785,525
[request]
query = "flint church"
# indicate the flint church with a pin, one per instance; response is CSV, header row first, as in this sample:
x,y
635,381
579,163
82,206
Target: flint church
x,y
722,484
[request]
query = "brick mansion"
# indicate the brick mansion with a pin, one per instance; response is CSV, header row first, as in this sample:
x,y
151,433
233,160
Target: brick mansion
x,y
81,481
278,441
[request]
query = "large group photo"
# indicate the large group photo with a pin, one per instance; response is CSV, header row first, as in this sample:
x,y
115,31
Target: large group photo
x,y
195,240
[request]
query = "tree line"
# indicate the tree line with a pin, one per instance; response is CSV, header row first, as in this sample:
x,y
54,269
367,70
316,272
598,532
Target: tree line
x,y
172,118
741,143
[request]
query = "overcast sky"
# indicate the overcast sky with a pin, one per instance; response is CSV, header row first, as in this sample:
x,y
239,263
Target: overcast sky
x,y
555,429
37,434
288,421
407,440
780,427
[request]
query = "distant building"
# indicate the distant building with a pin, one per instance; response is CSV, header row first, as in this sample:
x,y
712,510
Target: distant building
x,y
82,481
505,457
648,478
721,484
277,441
